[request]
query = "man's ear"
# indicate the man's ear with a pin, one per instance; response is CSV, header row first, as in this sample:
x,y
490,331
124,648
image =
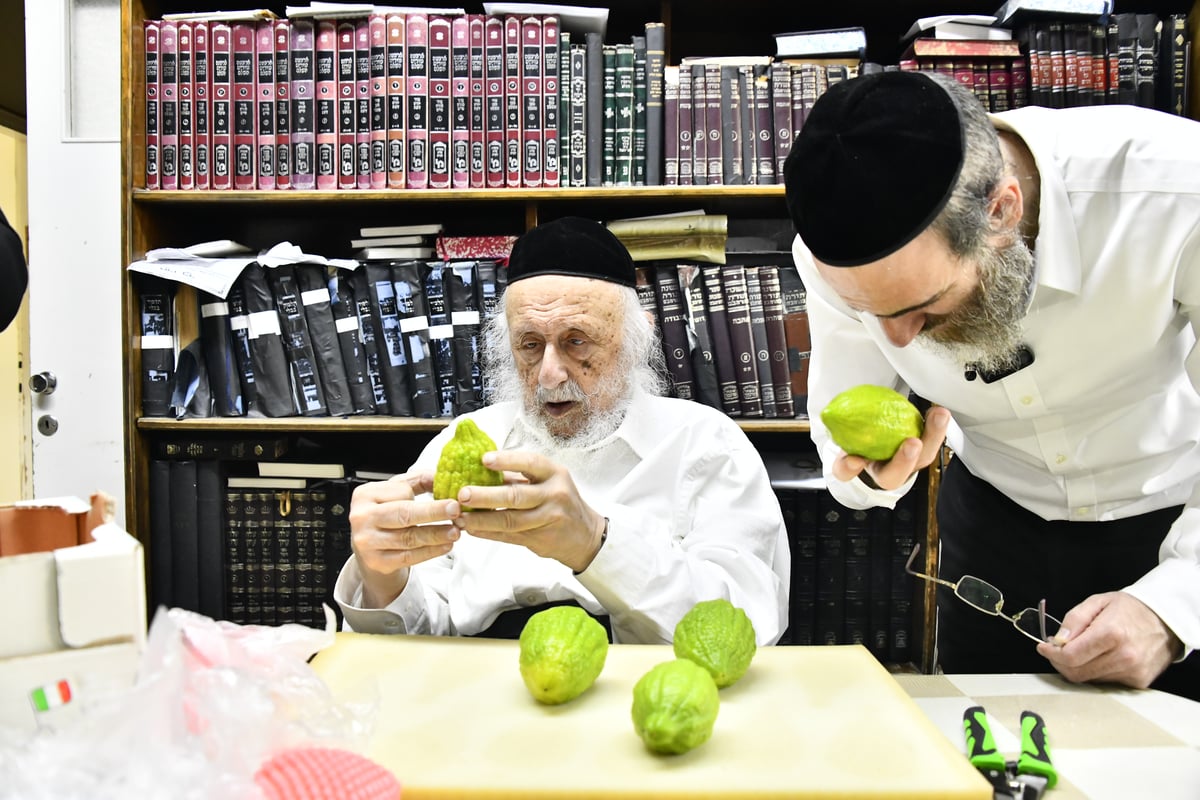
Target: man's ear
x,y
1007,205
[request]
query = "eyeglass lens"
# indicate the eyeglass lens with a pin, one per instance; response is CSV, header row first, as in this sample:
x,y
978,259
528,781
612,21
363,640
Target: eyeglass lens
x,y
980,594
1029,622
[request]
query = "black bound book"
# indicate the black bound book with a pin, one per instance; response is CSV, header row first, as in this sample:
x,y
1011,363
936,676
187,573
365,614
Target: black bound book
x,y
326,346
904,538
225,447
185,538
210,538
441,338
157,298
857,549
462,296
672,322
704,367
272,385
656,38
239,325
344,312
297,343
758,332
235,559
741,338
718,325
594,43
162,592
772,297
1145,61
371,336
412,312
831,571
224,374
393,363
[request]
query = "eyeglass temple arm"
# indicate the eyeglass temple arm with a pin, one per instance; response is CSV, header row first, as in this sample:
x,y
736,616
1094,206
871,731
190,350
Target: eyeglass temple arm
x,y
908,567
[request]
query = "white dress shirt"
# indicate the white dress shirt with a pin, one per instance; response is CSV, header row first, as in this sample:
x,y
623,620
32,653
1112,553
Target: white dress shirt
x,y
1105,424
692,517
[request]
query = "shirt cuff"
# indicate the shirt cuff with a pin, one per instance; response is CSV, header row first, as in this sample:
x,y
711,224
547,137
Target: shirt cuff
x,y
405,614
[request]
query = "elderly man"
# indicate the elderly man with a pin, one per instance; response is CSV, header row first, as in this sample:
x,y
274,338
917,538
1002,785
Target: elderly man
x,y
631,505
1036,274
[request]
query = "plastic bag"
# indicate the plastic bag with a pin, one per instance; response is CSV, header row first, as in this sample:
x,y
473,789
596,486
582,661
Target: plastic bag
x,y
212,701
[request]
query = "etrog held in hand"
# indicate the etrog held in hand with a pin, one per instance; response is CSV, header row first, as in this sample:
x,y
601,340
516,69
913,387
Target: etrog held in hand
x,y
872,421
461,462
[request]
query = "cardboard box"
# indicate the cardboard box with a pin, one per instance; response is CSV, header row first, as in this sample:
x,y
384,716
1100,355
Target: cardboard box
x,y
73,615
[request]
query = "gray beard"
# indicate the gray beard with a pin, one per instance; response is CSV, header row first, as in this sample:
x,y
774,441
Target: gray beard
x,y
600,424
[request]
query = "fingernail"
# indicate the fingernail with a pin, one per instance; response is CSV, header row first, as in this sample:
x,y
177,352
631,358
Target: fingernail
x,y
489,459
453,534
911,449
464,495
452,508
1062,637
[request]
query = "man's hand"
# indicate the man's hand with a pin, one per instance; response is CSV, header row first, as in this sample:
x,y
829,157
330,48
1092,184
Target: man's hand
x,y
1112,637
543,512
390,531
915,454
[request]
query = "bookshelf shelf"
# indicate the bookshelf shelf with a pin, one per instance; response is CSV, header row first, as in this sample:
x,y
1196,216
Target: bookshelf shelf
x,y
423,196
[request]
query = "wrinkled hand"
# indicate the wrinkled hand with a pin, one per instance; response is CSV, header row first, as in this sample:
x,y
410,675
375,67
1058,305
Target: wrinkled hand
x,y
915,454
390,531
1112,637
541,510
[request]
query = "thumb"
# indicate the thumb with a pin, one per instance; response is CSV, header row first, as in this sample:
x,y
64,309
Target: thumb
x,y
1080,617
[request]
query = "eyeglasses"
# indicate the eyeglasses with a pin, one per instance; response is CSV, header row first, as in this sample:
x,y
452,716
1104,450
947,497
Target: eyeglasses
x,y
982,596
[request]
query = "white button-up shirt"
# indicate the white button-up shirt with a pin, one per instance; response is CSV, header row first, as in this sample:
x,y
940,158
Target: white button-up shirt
x,y
1105,424
692,517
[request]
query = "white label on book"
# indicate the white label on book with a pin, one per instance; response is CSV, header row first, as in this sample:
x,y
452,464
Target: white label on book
x,y
464,317
410,324
214,310
343,324
264,323
314,296
159,342
441,331
239,323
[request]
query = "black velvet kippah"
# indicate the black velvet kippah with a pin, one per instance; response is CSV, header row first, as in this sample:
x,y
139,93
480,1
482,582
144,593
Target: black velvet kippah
x,y
571,246
873,166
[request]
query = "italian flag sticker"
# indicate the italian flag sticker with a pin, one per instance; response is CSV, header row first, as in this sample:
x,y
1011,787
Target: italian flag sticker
x,y
50,696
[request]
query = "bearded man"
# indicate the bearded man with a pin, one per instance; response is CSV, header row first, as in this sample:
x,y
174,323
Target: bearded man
x,y
631,505
1035,275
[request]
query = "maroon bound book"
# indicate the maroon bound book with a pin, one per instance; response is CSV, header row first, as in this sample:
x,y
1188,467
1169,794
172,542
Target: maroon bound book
x,y
362,103
377,34
347,108
327,104
671,126
418,100
686,128
512,102
151,32
439,102
758,332
303,96
672,321
799,341
460,102
531,101
551,80
244,118
493,70
737,310
202,105
264,103
781,379
397,156
187,107
168,104
283,104
221,88
718,326
477,102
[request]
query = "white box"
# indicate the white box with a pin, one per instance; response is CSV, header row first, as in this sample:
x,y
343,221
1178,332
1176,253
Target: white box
x,y
76,614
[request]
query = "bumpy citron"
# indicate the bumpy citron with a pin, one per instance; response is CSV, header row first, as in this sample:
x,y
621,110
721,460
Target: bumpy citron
x,y
872,421
718,636
461,462
563,650
675,706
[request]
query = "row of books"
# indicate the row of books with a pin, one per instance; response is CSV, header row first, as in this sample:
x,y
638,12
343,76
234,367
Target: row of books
x,y
398,100
245,549
392,337
734,336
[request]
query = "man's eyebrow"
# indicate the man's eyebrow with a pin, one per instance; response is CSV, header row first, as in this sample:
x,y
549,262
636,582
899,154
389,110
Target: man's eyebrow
x,y
916,307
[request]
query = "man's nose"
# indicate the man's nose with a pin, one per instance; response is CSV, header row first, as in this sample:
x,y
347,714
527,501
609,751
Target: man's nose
x,y
900,331
552,371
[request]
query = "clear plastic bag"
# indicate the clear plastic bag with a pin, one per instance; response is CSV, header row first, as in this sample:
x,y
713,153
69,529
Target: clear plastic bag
x,y
212,701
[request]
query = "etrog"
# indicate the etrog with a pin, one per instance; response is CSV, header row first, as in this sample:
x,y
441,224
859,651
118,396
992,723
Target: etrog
x,y
872,421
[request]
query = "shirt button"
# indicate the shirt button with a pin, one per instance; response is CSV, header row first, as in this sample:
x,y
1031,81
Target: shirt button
x,y
1083,511
1026,400
1060,459
392,624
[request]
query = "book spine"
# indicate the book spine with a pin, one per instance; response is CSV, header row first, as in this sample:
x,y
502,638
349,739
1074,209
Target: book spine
x,y
532,119
168,91
151,31
282,554
477,94
1173,66
417,92
831,572
461,279
718,323
685,157
306,595
343,309
274,394
761,350
1100,76
283,104
639,111
795,323
1058,65
670,145
221,88
578,115
712,122
156,345
185,553
303,96
564,108
1145,61
700,160
347,107
594,48
239,327
512,102
235,558
297,341
732,133
1083,63
377,35
623,156
747,115
764,147
412,311
441,339
460,102
323,335
802,598
210,538
248,548
327,105
904,538
187,111
269,503
880,583
781,114
704,370
551,118
244,117
781,379
362,103
1127,43
371,337
741,338
1071,95
439,102
160,558
494,101
216,339
397,157
264,103
672,321
655,102
857,588
393,362
609,142
202,106
999,90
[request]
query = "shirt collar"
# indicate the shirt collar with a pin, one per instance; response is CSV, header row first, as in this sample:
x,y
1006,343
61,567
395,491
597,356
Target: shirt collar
x,y
635,431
